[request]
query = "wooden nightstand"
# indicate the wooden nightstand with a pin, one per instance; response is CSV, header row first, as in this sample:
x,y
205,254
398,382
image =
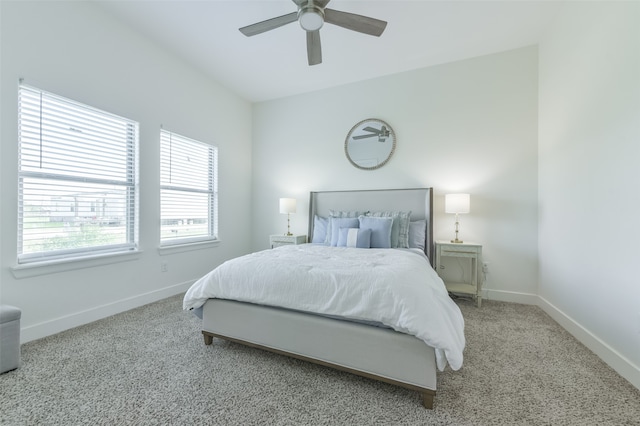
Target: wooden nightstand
x,y
470,251
283,240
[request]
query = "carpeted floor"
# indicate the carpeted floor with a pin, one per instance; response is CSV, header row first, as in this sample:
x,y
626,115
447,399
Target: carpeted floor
x,y
149,366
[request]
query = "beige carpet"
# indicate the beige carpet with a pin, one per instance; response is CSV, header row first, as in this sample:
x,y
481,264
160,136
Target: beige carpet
x,y
149,366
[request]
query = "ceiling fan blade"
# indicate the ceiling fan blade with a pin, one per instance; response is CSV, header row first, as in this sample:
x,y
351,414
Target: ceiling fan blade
x,y
269,24
314,49
351,21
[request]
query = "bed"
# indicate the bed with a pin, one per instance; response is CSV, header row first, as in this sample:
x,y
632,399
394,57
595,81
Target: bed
x,y
403,347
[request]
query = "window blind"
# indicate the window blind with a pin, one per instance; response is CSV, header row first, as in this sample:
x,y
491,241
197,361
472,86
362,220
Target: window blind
x,y
77,179
188,190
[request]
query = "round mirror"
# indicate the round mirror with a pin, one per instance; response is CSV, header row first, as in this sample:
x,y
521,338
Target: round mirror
x,y
370,144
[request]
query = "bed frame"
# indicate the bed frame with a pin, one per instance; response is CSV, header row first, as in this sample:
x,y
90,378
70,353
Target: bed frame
x,y
374,352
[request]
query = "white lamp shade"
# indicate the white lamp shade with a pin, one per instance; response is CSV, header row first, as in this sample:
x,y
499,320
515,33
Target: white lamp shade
x,y
457,203
287,205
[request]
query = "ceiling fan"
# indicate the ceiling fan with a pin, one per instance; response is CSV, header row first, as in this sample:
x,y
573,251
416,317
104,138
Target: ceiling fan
x,y
382,134
311,15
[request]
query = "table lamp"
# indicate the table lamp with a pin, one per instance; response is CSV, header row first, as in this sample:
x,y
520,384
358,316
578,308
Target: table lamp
x,y
288,206
458,204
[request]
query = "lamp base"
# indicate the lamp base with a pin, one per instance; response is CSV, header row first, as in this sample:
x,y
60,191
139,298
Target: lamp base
x,y
288,234
457,241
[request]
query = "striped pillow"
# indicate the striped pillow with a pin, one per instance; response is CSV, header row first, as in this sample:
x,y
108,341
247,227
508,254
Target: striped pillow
x,y
354,237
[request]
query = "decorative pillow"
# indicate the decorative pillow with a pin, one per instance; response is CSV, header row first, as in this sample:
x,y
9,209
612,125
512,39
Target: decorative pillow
x,y
354,237
380,230
417,231
320,229
400,229
338,213
345,213
335,223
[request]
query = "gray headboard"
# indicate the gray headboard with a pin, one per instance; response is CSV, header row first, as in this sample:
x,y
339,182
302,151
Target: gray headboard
x,y
417,200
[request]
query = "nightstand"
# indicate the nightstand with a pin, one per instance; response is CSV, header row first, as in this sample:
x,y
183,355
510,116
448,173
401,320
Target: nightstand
x,y
470,251
283,240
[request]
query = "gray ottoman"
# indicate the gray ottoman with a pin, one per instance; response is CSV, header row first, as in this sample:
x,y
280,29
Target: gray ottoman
x,y
9,338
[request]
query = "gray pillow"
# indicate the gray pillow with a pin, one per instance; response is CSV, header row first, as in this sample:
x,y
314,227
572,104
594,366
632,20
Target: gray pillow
x,y
338,213
417,231
336,223
400,228
380,230
319,229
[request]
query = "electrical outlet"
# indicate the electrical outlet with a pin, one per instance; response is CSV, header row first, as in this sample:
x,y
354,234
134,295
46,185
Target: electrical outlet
x,y
485,267
164,266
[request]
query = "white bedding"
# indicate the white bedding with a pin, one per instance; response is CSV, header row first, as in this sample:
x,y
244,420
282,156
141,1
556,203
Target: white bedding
x,y
396,287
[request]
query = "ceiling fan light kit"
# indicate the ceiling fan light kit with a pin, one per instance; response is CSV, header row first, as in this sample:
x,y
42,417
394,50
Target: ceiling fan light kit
x,y
311,15
311,18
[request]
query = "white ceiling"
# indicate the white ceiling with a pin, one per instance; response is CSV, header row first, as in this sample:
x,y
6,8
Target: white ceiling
x,y
272,65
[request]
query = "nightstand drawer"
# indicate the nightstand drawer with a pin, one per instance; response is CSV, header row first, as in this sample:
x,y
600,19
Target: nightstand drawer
x,y
282,240
458,253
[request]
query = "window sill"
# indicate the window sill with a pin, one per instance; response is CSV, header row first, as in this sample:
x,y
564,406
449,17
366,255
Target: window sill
x,y
34,269
180,248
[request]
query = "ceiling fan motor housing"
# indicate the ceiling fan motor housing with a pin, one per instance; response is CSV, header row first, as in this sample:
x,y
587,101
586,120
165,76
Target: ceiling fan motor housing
x,y
311,17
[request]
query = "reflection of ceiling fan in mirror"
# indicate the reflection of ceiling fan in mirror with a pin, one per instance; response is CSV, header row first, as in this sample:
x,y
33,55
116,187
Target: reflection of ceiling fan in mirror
x,y
382,133
311,15
361,148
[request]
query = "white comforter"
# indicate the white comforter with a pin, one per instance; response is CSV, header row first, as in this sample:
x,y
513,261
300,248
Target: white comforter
x,y
393,286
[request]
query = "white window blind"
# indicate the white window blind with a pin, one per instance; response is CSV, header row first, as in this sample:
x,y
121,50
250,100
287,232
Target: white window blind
x,y
188,190
77,193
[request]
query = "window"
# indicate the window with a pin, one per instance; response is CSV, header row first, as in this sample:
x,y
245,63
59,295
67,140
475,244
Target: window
x,y
77,193
188,190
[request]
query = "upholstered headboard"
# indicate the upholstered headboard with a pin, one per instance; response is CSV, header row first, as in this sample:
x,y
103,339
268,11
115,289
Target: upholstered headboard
x,y
417,200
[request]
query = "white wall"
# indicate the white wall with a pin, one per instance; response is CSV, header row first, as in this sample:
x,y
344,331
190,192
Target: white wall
x,y
468,126
589,201
76,50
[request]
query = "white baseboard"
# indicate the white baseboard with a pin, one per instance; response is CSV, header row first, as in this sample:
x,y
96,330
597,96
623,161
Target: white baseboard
x,y
509,296
615,360
43,329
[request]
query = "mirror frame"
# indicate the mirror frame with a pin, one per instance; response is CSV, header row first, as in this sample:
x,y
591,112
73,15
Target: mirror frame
x,y
359,126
